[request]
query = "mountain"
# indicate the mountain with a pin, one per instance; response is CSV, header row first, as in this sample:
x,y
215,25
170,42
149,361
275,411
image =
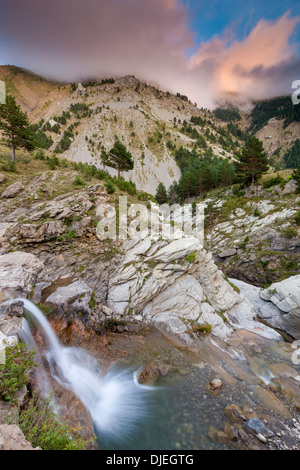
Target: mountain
x,y
151,123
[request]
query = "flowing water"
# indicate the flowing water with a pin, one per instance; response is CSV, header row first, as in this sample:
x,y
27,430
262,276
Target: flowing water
x,y
176,413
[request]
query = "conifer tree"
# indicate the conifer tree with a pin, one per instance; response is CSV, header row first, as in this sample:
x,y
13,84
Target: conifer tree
x,y
253,161
118,158
161,194
14,125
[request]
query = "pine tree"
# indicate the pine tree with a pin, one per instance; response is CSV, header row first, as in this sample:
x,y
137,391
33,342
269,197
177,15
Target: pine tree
x,y
118,158
253,161
15,126
161,194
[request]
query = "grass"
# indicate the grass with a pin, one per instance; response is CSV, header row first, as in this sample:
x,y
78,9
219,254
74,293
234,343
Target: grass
x,y
43,428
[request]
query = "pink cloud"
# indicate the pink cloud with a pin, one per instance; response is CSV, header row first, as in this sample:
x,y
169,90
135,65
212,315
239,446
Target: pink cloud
x,y
71,40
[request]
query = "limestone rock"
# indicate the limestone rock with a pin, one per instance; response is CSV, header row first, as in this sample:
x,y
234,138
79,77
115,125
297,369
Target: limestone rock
x,y
12,438
2,178
77,294
18,271
227,253
13,190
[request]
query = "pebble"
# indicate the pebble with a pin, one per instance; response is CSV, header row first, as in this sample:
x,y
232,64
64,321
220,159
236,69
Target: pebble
x,y
261,438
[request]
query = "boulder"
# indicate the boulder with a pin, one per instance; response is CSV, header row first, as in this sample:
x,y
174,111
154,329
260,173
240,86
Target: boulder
x,y
13,190
267,303
175,285
256,426
12,438
227,253
2,178
18,271
78,294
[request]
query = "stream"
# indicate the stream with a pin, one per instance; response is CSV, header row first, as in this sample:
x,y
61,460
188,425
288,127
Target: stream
x,y
177,411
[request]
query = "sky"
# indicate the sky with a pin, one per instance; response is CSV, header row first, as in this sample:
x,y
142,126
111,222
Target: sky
x,y
206,50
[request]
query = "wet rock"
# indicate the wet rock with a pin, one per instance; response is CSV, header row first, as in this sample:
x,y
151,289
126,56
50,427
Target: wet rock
x,y
149,373
13,190
217,436
234,413
15,309
256,426
261,438
215,385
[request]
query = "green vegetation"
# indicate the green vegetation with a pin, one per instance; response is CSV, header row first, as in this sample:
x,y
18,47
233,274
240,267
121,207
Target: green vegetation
x,y
279,108
228,115
292,156
118,158
15,371
43,428
253,161
161,194
15,126
276,180
191,258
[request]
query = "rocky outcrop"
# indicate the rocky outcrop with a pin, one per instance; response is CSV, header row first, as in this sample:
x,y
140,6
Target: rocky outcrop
x,y
278,305
18,271
12,438
256,241
75,296
176,284
13,190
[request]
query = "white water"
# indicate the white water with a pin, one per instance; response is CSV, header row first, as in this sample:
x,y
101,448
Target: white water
x,y
116,401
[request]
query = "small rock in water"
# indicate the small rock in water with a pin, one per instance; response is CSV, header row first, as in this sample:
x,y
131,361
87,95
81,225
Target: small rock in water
x,y
257,427
215,384
150,372
261,438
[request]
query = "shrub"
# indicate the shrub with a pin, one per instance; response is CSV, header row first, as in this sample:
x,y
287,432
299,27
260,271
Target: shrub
x,y
14,373
42,428
78,181
290,232
110,187
191,258
297,218
276,180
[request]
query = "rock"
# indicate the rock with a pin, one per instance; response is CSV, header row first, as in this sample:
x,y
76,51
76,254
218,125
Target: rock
x,y
18,271
217,436
33,233
13,190
149,373
107,311
12,438
2,178
227,253
234,413
285,295
156,280
256,426
215,384
15,309
261,438
78,294
267,310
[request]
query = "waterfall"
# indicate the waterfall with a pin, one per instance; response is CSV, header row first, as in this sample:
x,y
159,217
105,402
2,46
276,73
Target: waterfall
x,y
115,400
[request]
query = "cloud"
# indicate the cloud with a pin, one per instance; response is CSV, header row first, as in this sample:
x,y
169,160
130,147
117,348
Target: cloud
x,y
73,39
261,65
